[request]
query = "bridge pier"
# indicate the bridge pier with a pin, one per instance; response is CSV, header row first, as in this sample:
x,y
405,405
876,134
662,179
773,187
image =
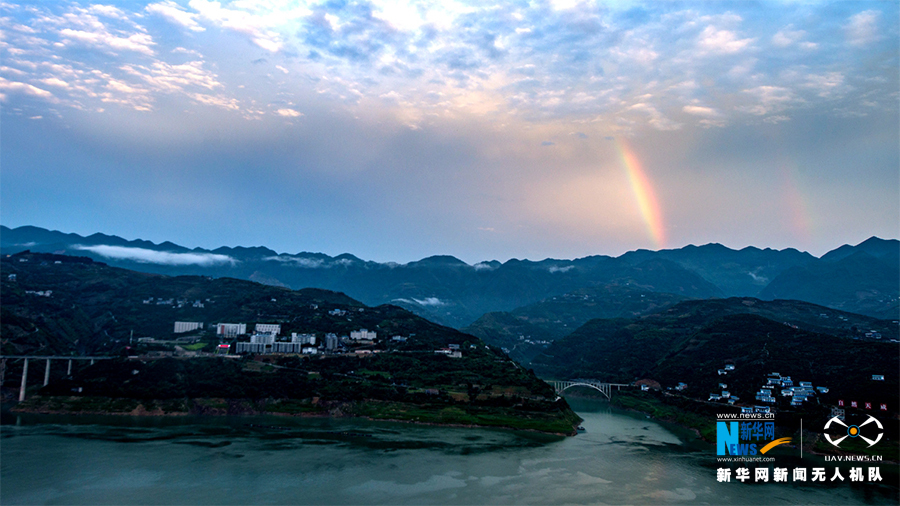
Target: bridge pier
x,y
24,380
47,373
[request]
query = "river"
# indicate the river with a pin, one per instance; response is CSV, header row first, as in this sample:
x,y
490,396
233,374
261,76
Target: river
x,y
622,458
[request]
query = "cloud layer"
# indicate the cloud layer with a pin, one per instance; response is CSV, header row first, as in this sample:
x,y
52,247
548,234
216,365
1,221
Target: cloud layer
x,y
150,256
397,130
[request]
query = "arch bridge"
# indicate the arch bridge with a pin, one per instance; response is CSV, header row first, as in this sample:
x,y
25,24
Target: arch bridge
x,y
602,387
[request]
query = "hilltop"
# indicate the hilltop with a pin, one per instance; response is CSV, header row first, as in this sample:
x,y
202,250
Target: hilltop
x,y
449,291
690,343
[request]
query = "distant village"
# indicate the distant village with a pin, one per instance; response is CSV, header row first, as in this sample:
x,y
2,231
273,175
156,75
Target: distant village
x,y
776,385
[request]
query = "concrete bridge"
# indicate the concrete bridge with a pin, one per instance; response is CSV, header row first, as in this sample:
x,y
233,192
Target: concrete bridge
x,y
600,386
26,358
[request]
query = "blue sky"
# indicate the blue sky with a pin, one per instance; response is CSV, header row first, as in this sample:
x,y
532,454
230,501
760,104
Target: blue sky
x,y
400,130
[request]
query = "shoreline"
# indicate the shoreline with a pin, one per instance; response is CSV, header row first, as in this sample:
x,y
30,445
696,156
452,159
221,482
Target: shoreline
x,y
247,407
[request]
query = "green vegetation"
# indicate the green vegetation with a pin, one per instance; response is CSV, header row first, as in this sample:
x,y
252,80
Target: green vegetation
x,y
435,389
522,331
679,410
560,421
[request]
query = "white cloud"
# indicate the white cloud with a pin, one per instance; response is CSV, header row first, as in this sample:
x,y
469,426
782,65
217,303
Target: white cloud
x,y
240,21
556,268
149,256
722,41
430,301
289,113
109,11
308,263
657,119
788,36
54,81
170,11
771,99
827,85
138,42
697,110
28,89
862,28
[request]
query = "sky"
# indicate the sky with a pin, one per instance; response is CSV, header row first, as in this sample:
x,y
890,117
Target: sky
x,y
400,130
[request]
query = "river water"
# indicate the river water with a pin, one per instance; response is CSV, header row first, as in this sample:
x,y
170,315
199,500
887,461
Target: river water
x,y
622,458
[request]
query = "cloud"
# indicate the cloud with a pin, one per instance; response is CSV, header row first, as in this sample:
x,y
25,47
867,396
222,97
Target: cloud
x,y
170,11
430,301
17,87
722,41
483,266
696,110
556,268
657,119
308,263
827,85
757,278
788,36
149,256
289,113
862,28
240,21
771,99
138,42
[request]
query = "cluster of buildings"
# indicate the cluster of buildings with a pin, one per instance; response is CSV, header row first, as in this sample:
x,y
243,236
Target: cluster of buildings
x,y
179,303
799,393
776,384
725,395
264,343
265,339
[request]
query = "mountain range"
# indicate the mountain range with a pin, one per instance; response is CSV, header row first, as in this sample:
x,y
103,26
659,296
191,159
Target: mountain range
x,y
864,278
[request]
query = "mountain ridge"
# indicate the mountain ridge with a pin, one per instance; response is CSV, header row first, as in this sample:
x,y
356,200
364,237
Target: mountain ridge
x,y
450,291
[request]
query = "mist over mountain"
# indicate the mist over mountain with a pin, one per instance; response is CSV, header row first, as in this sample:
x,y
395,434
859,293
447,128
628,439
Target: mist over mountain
x,y
861,279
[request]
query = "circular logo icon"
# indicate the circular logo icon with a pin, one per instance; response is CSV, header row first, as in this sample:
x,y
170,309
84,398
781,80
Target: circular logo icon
x,y
854,431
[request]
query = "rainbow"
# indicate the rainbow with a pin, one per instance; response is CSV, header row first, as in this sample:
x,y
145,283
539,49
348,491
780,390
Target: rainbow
x,y
796,203
643,193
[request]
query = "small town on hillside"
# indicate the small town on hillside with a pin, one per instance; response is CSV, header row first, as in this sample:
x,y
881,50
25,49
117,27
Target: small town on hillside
x,y
266,339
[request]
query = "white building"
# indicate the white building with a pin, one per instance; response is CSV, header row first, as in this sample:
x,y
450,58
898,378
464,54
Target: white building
x,y
182,327
267,328
259,343
303,338
231,329
363,335
262,338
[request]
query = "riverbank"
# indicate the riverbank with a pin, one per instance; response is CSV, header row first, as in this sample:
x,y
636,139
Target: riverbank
x,y
655,407
562,422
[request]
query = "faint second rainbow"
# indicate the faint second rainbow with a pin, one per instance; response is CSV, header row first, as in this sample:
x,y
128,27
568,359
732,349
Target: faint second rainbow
x,y
643,193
